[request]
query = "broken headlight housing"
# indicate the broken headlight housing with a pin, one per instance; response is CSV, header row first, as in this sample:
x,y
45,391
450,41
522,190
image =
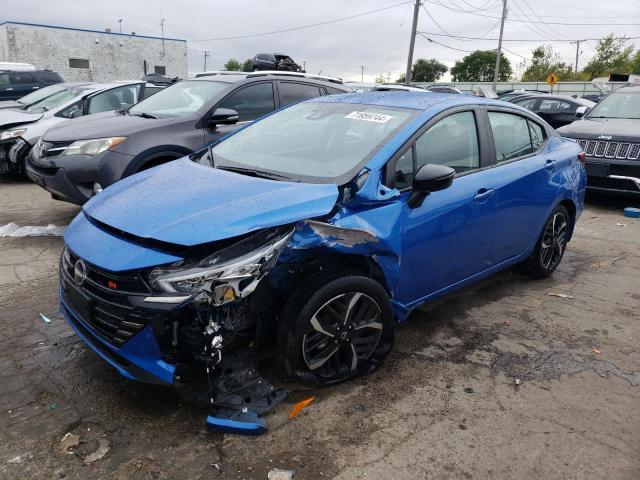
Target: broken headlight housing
x,y
14,133
228,274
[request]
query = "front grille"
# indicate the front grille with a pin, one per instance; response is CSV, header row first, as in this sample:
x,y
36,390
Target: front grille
x,y
109,311
621,151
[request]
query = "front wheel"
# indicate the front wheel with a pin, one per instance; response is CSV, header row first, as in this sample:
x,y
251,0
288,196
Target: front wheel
x,y
548,252
336,327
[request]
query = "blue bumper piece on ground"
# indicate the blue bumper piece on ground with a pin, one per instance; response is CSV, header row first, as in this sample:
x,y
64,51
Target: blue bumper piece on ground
x,y
139,359
246,423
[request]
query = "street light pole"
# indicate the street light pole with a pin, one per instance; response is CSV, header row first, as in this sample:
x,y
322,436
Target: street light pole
x,y
412,42
499,52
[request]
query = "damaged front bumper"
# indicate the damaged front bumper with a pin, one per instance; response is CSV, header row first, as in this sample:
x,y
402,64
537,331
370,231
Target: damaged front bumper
x,y
12,155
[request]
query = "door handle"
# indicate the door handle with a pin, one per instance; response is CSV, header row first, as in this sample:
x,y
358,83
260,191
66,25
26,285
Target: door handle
x,y
483,194
34,88
10,88
550,165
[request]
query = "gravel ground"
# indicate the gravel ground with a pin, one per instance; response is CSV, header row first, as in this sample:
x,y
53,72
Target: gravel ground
x,y
445,405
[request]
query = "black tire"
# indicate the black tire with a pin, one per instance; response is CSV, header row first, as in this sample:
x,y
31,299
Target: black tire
x,y
363,306
551,245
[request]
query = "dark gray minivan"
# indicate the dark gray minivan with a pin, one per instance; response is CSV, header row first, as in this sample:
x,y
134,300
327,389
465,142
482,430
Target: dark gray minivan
x,y
74,162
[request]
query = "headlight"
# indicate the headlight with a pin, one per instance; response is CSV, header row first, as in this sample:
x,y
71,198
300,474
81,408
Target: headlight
x,y
93,146
9,134
224,276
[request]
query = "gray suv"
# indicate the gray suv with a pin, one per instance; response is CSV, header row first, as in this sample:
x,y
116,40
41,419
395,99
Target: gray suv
x,y
610,136
76,161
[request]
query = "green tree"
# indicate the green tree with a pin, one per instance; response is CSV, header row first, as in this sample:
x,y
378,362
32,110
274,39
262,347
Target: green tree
x,y
380,79
401,78
246,66
544,61
232,65
479,67
635,68
427,70
613,55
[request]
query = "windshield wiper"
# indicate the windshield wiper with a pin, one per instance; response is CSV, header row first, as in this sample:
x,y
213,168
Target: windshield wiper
x,y
142,114
255,173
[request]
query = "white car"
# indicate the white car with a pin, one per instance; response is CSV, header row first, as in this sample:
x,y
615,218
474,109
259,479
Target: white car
x,y
20,129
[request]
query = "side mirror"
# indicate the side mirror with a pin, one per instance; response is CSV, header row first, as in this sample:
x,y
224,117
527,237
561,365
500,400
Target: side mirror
x,y
223,116
430,178
581,111
76,113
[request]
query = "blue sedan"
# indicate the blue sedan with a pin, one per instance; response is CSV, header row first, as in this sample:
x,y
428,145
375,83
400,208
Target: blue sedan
x,y
318,228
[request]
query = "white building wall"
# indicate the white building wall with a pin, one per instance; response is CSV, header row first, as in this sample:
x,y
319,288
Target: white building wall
x,y
111,56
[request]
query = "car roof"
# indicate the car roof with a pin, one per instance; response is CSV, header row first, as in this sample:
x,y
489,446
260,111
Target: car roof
x,y
233,77
582,101
423,100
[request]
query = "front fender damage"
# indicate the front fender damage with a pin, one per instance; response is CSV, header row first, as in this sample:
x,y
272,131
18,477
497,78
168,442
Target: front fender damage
x,y
238,394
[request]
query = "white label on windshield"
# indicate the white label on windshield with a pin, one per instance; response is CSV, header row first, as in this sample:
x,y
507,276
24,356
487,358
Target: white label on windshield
x,y
370,117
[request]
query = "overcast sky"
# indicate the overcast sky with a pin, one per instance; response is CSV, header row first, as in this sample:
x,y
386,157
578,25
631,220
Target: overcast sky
x,y
379,40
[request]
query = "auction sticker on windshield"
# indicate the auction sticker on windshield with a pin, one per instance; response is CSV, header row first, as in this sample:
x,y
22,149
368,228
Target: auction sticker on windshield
x,y
370,117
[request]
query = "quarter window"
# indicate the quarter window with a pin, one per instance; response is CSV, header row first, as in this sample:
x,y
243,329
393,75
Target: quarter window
x,y
537,134
510,135
453,142
554,105
251,102
296,92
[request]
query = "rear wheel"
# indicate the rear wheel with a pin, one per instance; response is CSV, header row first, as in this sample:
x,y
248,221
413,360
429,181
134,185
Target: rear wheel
x,y
336,327
551,245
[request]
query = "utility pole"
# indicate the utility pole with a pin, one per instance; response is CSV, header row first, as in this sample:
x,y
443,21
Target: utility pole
x,y
499,52
412,42
162,28
361,73
304,65
206,54
577,42
120,24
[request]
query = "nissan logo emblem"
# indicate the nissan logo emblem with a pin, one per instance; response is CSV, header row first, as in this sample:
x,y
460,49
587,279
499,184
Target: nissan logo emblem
x,y
79,272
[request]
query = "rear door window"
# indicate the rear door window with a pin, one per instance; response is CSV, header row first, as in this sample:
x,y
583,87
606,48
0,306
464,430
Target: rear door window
x,y
21,78
510,135
527,103
251,102
291,92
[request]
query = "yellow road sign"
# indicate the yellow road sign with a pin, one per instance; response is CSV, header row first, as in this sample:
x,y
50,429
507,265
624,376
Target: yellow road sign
x,y
552,79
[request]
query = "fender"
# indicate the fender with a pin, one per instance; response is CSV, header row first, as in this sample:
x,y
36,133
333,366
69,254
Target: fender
x,y
150,154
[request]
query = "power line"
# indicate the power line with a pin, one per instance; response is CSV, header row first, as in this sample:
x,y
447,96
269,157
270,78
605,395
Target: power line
x,y
303,26
435,2
462,37
443,45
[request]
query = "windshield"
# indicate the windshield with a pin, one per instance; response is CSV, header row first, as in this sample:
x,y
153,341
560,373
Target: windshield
x,y
45,92
57,99
180,99
314,142
618,105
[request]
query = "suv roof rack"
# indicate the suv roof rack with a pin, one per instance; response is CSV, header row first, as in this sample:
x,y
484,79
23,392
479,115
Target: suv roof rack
x,y
294,74
218,72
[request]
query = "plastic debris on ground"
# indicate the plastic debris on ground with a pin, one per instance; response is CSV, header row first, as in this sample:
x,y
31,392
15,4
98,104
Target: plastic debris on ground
x,y
468,390
298,407
620,224
596,351
632,212
240,397
69,441
102,450
44,318
278,474
560,295
14,230
518,382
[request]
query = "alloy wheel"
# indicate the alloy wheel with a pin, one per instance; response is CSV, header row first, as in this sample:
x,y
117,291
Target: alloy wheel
x,y
342,334
554,241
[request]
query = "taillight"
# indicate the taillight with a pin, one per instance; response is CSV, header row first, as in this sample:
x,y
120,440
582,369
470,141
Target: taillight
x,y
582,157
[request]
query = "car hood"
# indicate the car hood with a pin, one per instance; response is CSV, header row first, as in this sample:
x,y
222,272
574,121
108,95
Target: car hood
x,y
11,104
10,118
188,204
619,129
100,125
